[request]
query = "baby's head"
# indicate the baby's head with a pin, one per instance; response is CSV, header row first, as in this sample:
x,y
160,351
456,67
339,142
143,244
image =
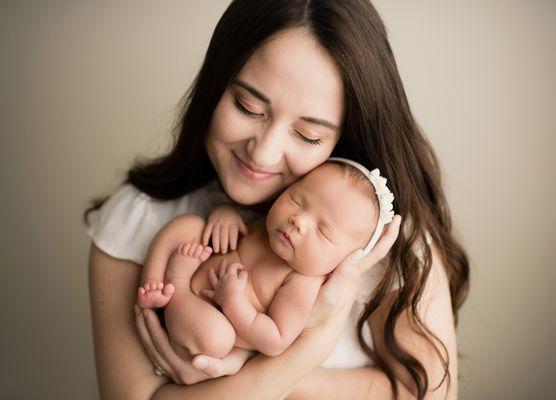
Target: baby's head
x,y
321,218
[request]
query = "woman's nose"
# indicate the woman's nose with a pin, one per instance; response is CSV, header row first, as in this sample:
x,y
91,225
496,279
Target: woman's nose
x,y
267,149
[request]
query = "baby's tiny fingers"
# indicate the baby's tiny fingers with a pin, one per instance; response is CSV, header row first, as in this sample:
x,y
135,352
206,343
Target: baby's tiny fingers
x,y
216,239
242,227
233,237
224,237
213,279
242,275
222,270
209,294
234,268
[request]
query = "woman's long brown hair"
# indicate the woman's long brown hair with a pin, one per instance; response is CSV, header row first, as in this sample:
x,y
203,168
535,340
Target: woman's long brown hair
x,y
378,131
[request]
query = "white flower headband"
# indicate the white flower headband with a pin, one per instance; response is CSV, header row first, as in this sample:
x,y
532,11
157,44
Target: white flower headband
x,y
385,199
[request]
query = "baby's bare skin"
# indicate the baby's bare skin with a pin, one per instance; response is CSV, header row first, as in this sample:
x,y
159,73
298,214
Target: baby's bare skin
x,y
267,287
184,262
194,315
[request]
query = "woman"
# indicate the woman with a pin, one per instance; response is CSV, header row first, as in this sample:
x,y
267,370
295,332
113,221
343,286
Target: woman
x,y
284,85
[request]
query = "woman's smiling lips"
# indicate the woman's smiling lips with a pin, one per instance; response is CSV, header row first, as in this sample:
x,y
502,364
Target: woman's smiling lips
x,y
251,173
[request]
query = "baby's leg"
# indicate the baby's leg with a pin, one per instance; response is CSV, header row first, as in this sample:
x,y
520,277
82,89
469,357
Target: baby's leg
x,y
191,321
157,294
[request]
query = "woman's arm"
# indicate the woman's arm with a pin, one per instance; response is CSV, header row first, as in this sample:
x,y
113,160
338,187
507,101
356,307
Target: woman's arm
x,y
123,369
125,372
346,384
371,383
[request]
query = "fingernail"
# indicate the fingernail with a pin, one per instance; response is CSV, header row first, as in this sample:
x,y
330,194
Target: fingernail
x,y
200,363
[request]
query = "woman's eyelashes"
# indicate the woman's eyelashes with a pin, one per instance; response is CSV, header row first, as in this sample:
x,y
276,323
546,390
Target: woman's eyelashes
x,y
244,110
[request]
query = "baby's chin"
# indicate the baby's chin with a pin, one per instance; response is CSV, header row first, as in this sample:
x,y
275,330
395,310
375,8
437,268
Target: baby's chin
x,y
311,269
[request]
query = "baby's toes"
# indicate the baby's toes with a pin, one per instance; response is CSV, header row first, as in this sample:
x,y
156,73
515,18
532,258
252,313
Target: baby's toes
x,y
205,254
192,249
168,290
183,248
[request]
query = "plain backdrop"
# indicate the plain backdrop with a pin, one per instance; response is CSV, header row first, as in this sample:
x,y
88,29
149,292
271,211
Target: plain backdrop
x,y
86,87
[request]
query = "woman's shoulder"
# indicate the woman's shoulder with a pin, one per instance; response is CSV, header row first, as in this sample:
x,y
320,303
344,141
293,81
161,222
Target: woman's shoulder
x,y
128,221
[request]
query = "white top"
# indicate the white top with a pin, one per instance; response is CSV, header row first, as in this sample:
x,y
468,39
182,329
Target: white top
x,y
128,221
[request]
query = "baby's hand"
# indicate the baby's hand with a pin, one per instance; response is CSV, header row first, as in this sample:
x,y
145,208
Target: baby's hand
x,y
224,224
230,281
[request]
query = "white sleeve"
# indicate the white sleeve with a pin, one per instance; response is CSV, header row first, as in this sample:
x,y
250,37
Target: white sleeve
x,y
127,222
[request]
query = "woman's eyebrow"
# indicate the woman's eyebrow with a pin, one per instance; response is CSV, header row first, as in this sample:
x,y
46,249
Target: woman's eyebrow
x,y
265,99
251,90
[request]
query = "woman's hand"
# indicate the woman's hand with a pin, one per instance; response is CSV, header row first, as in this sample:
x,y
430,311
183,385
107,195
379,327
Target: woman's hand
x,y
223,228
183,369
338,293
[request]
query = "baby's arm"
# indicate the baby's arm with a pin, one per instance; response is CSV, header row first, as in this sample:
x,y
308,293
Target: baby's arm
x,y
184,228
287,315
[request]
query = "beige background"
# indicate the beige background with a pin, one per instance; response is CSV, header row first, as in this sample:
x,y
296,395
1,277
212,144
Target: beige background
x,y
88,86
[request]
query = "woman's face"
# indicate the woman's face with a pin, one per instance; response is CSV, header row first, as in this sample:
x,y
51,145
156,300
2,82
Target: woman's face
x,y
278,119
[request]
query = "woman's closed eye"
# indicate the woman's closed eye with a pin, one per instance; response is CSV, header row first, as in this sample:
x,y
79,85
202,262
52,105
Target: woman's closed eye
x,y
243,109
246,111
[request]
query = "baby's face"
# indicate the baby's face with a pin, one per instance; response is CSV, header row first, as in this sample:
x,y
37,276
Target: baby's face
x,y
319,220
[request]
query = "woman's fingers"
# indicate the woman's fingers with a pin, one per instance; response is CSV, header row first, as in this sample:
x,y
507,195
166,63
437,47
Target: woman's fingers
x,y
348,274
383,246
176,365
149,346
217,367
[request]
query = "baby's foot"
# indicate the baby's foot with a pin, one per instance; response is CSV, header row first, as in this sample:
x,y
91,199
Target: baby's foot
x,y
154,294
185,261
195,250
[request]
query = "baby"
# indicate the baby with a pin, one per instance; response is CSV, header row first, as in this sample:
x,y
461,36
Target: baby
x,y
259,296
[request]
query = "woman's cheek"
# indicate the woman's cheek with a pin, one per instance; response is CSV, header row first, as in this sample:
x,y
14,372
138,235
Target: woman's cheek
x,y
228,125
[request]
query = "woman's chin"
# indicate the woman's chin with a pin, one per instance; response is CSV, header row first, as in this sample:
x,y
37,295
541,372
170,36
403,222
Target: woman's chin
x,y
247,195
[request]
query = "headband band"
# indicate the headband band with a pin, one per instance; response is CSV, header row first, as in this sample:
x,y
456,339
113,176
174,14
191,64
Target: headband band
x,y
385,199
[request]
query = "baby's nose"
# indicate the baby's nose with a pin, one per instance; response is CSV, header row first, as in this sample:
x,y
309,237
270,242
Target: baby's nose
x,y
299,223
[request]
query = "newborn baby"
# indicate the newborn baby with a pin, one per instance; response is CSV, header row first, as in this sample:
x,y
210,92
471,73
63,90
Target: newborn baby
x,y
259,296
